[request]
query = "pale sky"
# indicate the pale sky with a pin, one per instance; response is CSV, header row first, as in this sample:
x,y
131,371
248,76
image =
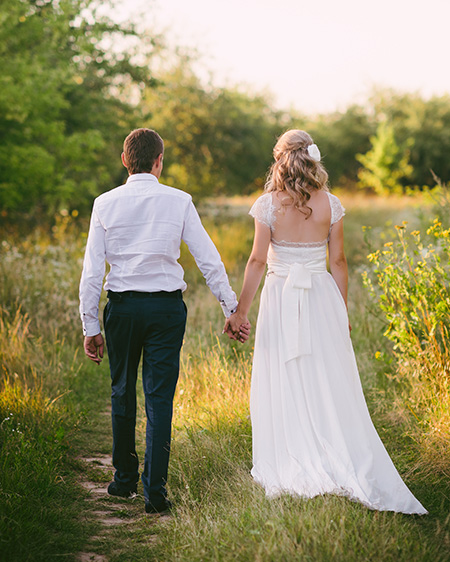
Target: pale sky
x,y
316,55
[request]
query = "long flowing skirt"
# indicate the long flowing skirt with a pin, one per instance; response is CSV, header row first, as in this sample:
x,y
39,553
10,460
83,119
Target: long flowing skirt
x,y
312,432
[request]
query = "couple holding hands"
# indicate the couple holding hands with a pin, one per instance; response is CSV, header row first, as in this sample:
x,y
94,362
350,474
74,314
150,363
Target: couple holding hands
x,y
312,432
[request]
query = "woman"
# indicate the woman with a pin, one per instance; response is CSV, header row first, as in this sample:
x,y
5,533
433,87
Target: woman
x,y
312,432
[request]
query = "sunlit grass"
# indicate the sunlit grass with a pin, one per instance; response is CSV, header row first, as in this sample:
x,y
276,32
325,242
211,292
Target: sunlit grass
x,y
44,390
214,385
48,389
37,493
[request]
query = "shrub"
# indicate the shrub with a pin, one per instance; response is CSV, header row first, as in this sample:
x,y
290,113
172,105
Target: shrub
x,y
410,281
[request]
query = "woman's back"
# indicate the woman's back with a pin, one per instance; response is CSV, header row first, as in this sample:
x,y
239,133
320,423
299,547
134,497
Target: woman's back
x,y
293,225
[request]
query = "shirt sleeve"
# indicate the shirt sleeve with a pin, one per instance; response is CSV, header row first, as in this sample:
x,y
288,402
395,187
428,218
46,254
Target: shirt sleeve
x,y
208,260
92,276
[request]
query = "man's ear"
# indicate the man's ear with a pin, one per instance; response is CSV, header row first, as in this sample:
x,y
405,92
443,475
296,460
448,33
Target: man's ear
x,y
157,166
124,162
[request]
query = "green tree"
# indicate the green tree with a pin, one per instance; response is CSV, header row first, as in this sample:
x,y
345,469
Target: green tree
x,y
63,106
385,164
340,136
217,140
427,121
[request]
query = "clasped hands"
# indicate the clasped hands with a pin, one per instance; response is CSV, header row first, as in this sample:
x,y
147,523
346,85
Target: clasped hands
x,y
237,327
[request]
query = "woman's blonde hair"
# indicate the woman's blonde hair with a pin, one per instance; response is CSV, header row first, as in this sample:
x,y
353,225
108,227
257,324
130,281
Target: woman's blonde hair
x,y
294,171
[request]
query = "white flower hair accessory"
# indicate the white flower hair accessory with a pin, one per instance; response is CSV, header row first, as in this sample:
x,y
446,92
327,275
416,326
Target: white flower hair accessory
x,y
314,152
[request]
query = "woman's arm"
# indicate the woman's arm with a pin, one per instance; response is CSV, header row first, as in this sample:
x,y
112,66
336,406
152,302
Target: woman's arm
x,y
338,261
253,273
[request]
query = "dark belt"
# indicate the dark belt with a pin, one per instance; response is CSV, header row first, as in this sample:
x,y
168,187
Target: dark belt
x,y
141,295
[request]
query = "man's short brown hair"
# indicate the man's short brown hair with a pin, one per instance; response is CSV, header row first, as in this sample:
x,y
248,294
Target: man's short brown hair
x,y
141,149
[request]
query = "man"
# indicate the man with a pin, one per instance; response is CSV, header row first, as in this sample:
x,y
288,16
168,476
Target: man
x,y
138,228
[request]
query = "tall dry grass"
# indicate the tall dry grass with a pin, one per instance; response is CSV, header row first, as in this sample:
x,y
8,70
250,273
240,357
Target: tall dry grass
x,y
51,391
44,390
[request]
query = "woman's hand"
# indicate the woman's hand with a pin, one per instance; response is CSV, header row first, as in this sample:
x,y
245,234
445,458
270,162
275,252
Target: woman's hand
x,y
237,327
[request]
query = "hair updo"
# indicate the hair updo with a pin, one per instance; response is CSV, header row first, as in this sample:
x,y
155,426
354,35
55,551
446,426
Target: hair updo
x,y
295,172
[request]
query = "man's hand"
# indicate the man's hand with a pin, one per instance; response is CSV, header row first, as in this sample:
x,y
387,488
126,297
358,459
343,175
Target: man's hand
x,y
93,347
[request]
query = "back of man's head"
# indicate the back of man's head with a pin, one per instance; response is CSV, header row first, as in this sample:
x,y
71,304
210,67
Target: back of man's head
x,y
141,148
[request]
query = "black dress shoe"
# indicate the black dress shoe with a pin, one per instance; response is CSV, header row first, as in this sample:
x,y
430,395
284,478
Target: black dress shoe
x,y
115,489
163,507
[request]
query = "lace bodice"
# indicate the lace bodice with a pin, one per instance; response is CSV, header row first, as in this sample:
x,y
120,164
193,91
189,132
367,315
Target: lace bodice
x,y
263,210
285,252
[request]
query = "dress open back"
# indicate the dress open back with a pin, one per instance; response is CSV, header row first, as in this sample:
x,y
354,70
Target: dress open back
x,y
312,431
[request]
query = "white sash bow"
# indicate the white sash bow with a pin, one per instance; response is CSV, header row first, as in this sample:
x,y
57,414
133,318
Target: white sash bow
x,y
295,318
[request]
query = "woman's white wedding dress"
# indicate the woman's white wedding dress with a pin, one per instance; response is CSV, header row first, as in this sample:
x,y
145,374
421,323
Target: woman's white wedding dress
x,y
312,432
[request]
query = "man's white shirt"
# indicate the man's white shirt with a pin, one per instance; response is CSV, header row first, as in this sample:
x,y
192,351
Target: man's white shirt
x,y
138,228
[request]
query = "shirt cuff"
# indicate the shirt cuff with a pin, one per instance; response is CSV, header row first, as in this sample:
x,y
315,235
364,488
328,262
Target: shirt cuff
x,y
91,328
229,308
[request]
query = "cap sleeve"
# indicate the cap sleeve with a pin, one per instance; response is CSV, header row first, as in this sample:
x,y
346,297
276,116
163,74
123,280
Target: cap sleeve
x,y
263,210
337,210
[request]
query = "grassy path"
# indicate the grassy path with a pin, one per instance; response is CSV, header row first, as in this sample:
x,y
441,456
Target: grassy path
x,y
221,515
110,517
55,432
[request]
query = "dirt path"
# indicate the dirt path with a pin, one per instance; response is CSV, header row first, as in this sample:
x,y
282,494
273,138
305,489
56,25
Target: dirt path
x,y
100,508
118,521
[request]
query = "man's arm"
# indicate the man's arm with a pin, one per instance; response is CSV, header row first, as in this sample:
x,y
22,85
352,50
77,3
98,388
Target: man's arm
x,y
91,288
208,260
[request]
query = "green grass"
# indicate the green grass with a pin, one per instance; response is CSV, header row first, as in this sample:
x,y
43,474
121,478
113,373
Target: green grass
x,y
53,404
47,393
222,515
38,490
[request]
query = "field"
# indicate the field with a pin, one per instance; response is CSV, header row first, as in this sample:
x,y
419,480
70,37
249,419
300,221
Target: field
x,y
54,408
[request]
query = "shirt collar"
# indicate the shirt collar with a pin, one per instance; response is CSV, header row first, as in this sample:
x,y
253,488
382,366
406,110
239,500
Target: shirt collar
x,y
142,177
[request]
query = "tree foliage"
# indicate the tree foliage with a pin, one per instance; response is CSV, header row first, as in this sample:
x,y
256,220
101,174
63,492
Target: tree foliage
x,y
385,165
62,105
217,140
427,122
340,136
71,90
